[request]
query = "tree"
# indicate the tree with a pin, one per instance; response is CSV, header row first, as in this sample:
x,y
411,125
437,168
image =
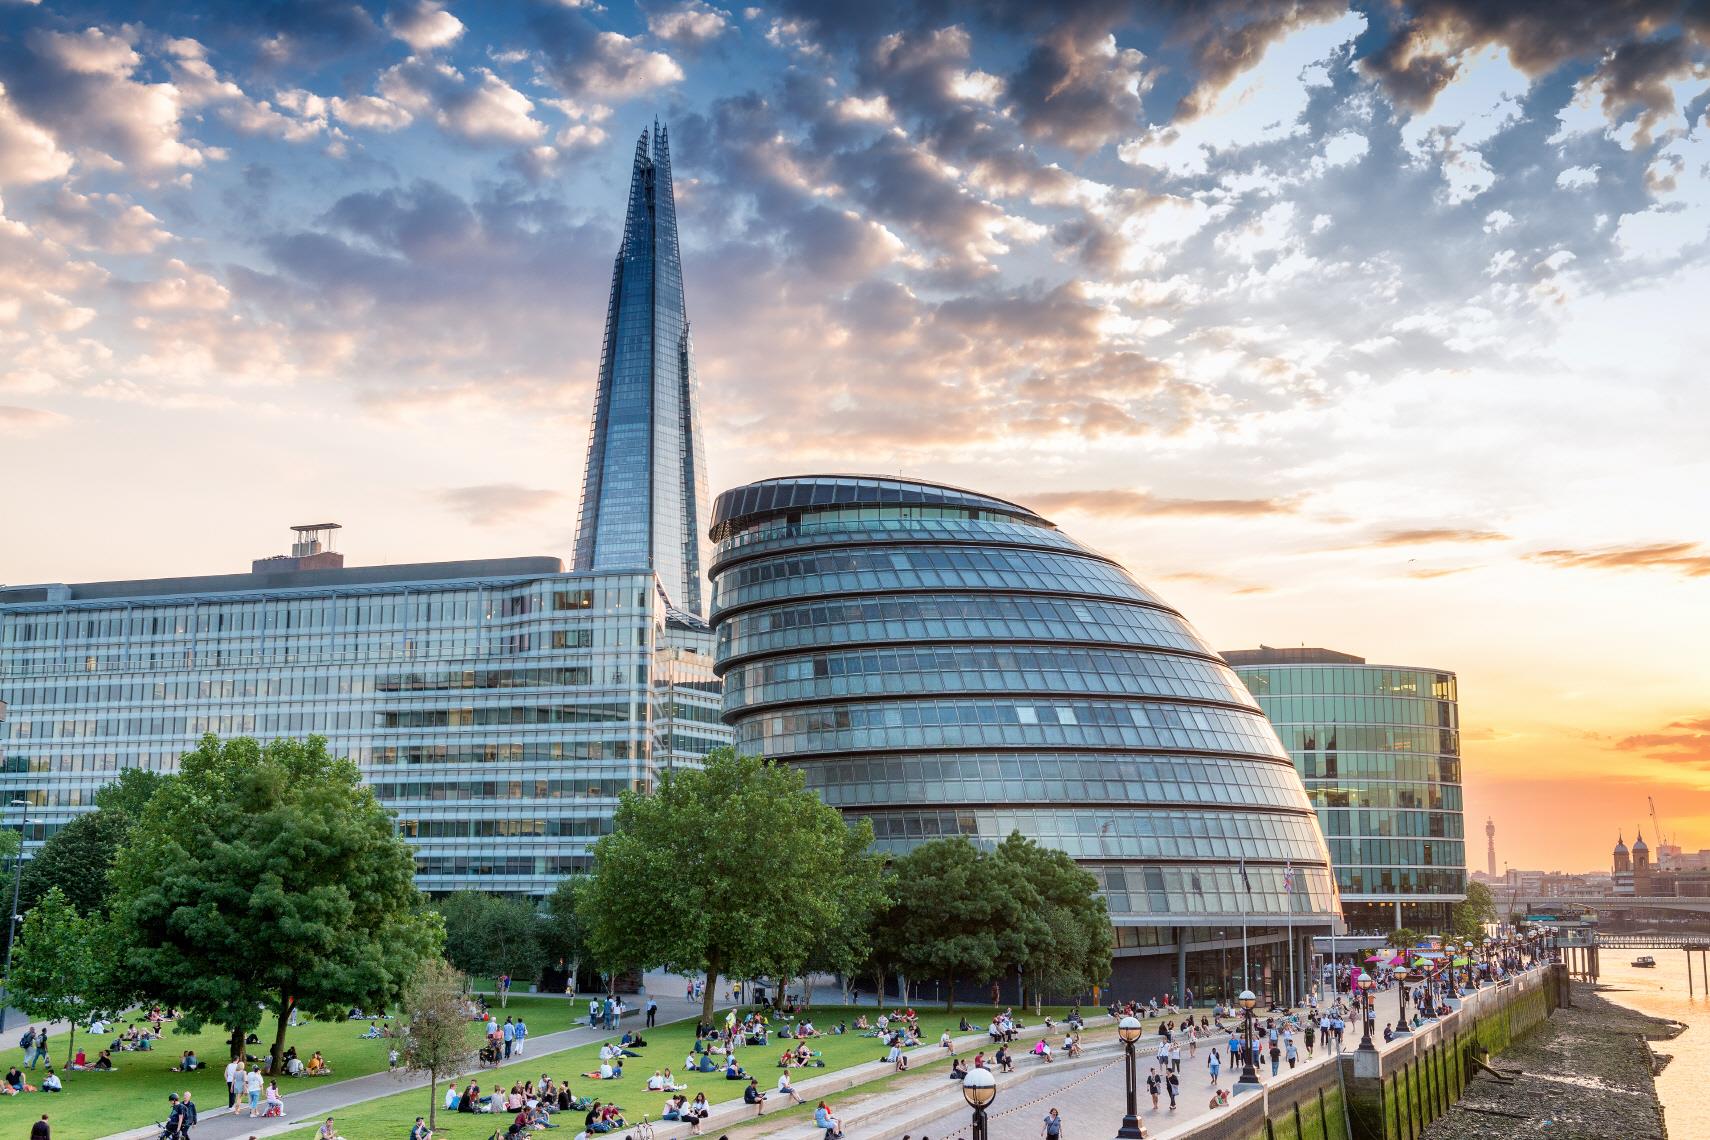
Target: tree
x,y
1402,938
563,934
268,876
845,943
1468,917
492,934
1068,948
959,915
56,965
438,1041
76,861
79,856
730,869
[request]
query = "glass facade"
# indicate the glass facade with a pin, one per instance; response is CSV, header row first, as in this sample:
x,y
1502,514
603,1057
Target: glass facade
x,y
946,663
644,494
497,715
1379,749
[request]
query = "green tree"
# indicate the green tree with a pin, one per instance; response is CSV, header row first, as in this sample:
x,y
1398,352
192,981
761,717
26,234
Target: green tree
x,y
1068,947
268,876
130,793
845,943
438,1042
563,934
492,934
730,869
56,965
1402,938
76,861
959,915
1469,916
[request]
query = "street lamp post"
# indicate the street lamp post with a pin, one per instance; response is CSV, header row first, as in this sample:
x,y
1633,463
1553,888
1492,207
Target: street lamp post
x,y
1402,977
979,1089
1366,984
12,924
1249,1075
1129,1030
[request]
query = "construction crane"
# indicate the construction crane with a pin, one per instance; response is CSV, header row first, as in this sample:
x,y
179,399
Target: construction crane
x,y
1655,822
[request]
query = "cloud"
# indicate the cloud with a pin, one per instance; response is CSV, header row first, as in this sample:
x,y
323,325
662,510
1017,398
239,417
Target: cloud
x,y
588,62
1144,504
1682,741
1426,535
1688,559
106,222
27,152
487,111
1079,89
423,24
26,421
491,504
692,24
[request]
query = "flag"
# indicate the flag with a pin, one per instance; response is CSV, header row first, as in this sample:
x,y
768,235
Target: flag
x,y
1245,882
1288,879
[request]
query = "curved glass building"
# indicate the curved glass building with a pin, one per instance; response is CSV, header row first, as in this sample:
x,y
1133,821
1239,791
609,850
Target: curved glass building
x,y
1379,749
947,663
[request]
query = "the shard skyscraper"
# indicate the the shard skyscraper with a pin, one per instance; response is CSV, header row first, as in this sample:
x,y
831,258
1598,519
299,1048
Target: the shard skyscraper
x,y
644,498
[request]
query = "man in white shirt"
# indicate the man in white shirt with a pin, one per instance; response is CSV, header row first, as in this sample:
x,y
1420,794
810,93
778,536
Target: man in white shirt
x,y
786,1089
234,1081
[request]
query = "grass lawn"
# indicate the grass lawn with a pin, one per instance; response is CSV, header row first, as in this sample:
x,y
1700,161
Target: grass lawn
x,y
387,1118
134,1093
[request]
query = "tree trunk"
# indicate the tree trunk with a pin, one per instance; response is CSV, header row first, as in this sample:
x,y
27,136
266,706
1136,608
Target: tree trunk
x,y
236,1043
71,1040
879,988
433,1096
714,963
950,995
279,1037
807,991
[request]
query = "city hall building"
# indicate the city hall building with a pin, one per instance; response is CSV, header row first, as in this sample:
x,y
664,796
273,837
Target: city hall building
x,y
1379,748
498,706
943,662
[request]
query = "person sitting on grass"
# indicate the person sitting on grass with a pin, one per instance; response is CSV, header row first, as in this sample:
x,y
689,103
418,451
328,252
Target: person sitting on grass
x,y
81,1061
15,1079
318,1066
50,1083
632,1040
733,1071
104,1061
704,1065
624,1050
671,1084
804,1055
327,1131
862,1024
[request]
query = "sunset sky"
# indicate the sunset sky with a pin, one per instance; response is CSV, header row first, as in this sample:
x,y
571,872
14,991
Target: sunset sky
x,y
1380,328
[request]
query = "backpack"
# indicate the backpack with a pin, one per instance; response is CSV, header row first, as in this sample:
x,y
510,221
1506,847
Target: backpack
x,y
28,1039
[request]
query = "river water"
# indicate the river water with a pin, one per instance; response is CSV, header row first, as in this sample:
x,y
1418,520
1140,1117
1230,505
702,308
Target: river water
x,y
1662,992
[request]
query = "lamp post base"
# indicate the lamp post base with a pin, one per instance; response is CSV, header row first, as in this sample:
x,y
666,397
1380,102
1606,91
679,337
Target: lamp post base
x,y
1131,1129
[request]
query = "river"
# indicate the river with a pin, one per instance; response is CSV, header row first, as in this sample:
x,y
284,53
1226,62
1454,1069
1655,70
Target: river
x,y
1662,992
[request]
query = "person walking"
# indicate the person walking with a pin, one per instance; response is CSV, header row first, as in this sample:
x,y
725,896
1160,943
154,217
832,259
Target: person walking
x,y
1215,1064
41,1048
1276,1057
234,1082
1053,1126
1172,1085
252,1090
40,1130
652,1011
508,1033
1154,1086
522,1034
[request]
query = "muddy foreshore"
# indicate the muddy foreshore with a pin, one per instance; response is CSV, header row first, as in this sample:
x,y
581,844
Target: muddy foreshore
x,y
1588,1072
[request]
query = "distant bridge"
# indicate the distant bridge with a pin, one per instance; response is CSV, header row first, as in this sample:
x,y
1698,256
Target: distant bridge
x,y
1535,904
1653,941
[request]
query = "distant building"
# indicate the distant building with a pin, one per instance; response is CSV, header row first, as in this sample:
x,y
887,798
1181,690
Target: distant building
x,y
1379,749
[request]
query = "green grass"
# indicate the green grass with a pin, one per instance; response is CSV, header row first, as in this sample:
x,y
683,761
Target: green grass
x,y
134,1093
386,1118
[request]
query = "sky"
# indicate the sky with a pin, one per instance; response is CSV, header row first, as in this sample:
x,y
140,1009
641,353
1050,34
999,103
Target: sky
x,y
1380,328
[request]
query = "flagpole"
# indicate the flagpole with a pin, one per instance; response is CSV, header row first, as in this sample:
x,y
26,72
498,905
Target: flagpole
x,y
1289,880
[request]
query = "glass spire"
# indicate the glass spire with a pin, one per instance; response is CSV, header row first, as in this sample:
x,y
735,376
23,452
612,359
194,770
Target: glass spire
x,y
644,494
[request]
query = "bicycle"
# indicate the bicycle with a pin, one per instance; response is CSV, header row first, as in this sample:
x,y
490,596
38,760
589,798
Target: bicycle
x,y
644,1130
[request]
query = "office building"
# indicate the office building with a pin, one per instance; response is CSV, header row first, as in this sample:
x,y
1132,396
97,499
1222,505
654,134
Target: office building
x,y
1379,749
947,663
497,705
644,494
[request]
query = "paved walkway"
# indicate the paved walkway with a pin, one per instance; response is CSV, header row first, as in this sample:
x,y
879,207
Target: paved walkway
x,y
306,1101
